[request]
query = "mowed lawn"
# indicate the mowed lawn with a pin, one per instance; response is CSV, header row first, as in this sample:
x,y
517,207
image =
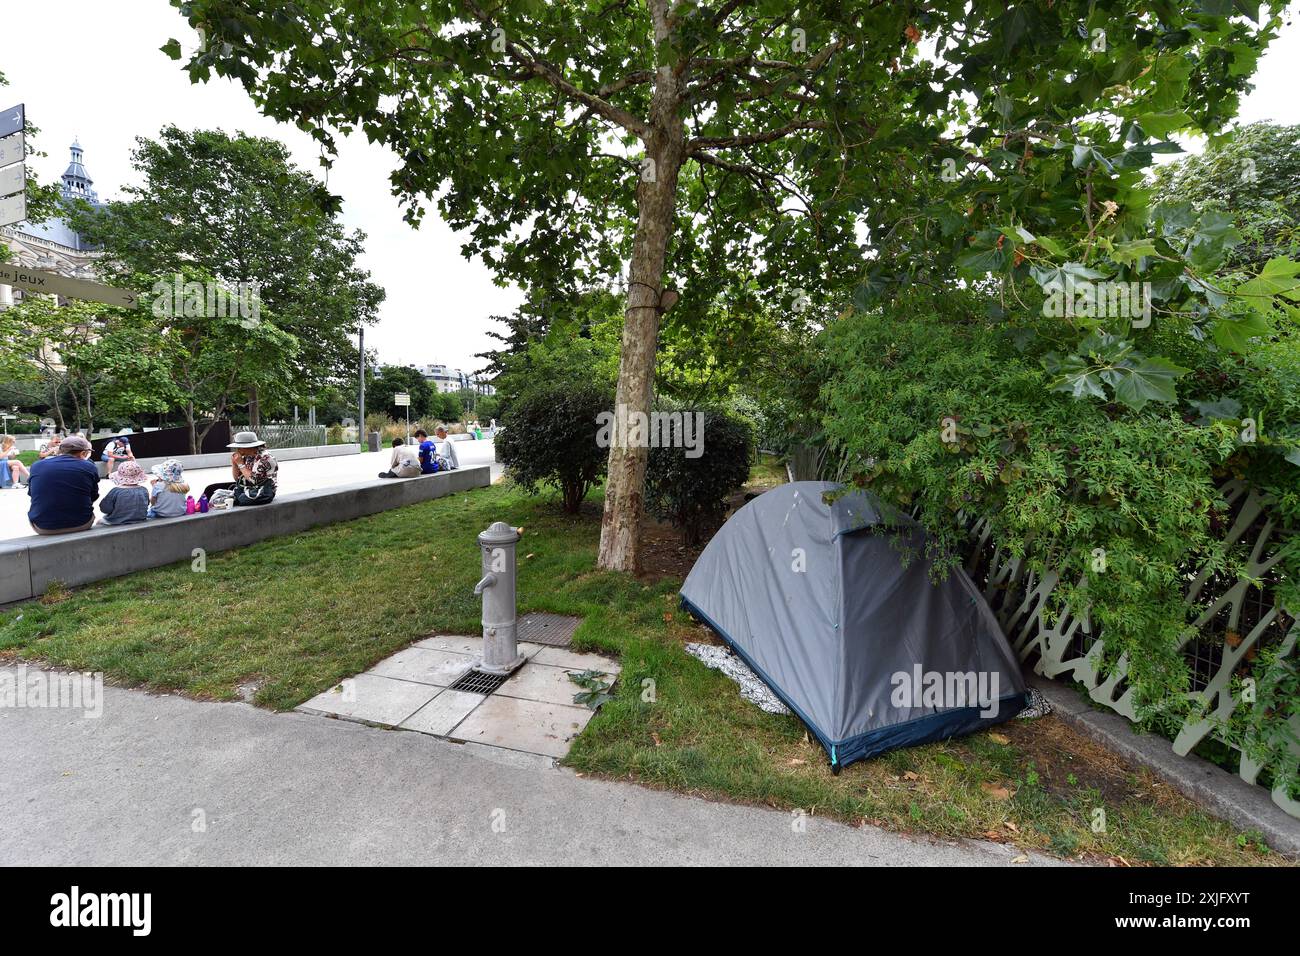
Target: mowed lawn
x,y
294,615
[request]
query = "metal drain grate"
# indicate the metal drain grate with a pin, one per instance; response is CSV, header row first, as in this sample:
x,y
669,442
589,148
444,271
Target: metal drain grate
x,y
476,682
554,630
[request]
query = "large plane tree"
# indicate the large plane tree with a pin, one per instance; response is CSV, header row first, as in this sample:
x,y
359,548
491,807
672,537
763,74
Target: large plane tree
x,y
699,149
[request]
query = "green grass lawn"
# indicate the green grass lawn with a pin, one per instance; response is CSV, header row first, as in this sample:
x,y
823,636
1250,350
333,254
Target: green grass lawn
x,y
295,615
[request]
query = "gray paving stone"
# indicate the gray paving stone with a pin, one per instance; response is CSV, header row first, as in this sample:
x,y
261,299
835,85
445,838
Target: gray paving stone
x,y
527,725
424,666
372,699
454,643
563,657
442,713
535,681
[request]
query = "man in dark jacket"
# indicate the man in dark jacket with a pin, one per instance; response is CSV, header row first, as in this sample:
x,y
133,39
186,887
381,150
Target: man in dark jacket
x,y
63,489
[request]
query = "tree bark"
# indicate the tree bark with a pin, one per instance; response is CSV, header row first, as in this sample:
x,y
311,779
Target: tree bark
x,y
254,410
189,420
620,531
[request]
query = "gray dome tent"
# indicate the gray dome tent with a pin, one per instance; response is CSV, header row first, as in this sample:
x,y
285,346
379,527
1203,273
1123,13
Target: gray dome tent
x,y
865,648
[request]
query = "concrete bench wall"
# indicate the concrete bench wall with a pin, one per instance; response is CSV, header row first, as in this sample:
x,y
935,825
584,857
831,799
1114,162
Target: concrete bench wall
x,y
29,565
222,458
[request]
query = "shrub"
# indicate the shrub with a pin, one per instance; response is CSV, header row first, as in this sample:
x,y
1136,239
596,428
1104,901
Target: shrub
x,y
690,492
549,437
934,405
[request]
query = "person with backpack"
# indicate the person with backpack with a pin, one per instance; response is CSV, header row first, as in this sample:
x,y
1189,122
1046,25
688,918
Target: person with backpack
x,y
256,473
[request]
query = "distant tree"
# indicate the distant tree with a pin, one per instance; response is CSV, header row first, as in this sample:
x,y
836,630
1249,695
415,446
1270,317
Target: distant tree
x,y
1253,175
400,378
237,210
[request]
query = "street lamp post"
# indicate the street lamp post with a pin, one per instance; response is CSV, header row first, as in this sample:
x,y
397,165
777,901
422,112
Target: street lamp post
x,y
361,369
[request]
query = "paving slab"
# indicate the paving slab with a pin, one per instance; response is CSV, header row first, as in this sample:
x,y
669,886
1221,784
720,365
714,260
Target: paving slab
x,y
528,725
372,699
442,713
451,642
563,657
468,645
424,666
549,685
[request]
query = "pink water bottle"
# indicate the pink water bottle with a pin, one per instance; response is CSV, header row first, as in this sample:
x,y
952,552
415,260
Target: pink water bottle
x,y
190,507
203,504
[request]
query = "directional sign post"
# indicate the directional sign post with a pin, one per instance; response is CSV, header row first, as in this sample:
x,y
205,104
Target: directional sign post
x,y
51,283
400,399
11,149
13,119
13,209
13,173
13,179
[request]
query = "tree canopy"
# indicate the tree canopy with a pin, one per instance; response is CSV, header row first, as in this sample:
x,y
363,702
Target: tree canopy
x,y
810,154
233,208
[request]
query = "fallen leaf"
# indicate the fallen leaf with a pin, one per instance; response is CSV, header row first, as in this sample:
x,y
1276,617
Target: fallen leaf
x,y
796,762
996,792
1022,858
655,738
999,738
1011,826
910,775
526,556
668,616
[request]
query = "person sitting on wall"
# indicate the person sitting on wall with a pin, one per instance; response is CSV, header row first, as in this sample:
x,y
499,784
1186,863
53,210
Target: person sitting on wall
x,y
128,502
116,452
168,490
63,489
428,453
12,471
51,447
446,447
255,472
405,462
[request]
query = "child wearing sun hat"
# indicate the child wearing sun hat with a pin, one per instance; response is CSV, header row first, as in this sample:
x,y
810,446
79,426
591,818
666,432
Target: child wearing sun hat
x,y
128,501
168,490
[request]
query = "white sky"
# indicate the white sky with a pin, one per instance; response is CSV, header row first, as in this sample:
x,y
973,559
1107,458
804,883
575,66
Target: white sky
x,y
91,69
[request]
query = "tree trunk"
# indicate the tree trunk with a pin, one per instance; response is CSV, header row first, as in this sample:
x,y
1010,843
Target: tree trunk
x,y
254,410
189,420
620,530
58,409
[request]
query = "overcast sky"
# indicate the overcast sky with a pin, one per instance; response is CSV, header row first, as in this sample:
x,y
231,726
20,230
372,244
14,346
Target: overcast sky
x,y
91,69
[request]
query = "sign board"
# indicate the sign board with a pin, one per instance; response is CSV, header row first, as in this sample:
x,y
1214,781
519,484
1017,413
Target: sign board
x,y
12,120
51,283
402,398
13,209
13,179
11,149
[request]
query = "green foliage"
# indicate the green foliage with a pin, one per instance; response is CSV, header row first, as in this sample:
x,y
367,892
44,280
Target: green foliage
x,y
691,487
932,403
400,378
234,209
549,437
1252,175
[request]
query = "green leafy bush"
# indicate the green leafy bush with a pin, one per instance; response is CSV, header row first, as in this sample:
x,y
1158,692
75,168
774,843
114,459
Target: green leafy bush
x,y
549,437
692,492
932,403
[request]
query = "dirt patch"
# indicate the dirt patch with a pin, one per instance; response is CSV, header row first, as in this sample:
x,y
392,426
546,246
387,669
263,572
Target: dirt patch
x,y
663,555
1060,753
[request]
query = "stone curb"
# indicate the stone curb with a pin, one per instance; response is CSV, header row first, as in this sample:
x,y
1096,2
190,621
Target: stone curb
x,y
1244,805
